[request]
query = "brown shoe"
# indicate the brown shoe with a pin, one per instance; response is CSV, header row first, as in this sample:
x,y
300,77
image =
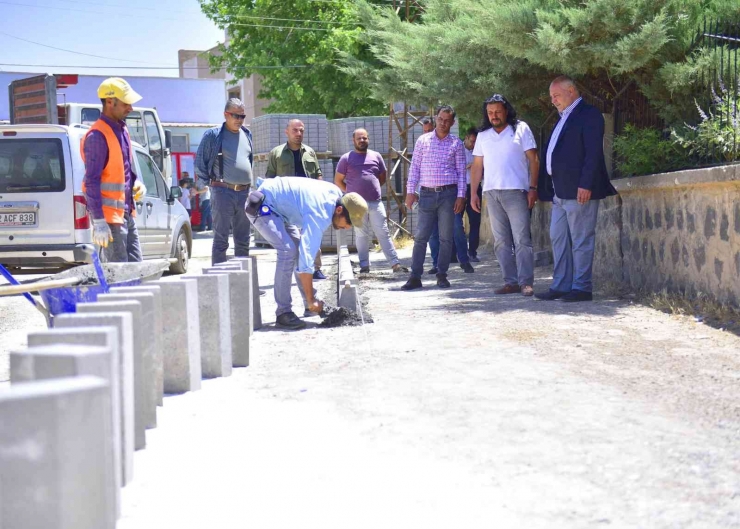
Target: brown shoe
x,y
527,290
508,289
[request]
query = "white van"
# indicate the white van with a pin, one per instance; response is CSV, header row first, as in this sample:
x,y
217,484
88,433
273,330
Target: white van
x,y
43,215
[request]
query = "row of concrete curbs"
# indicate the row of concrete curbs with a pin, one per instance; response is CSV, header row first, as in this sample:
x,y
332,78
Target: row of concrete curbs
x,y
83,394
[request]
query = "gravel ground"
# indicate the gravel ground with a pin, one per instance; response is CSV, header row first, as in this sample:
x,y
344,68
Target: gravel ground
x,y
456,408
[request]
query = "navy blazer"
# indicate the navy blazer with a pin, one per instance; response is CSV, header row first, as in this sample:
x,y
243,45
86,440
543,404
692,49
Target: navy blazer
x,y
578,158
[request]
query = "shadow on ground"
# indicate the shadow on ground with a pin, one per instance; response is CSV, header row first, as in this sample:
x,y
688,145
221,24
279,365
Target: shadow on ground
x,y
474,292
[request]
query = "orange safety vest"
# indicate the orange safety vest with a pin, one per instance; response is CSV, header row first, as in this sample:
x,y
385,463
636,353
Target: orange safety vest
x,y
113,179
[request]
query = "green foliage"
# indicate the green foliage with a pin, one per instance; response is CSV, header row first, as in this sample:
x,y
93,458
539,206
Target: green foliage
x,y
717,136
644,151
463,51
317,86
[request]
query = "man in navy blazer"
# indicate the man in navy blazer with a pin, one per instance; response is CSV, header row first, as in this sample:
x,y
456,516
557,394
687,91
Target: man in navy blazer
x,y
574,178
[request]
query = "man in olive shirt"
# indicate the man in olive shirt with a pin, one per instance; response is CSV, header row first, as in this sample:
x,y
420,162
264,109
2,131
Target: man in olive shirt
x,y
294,158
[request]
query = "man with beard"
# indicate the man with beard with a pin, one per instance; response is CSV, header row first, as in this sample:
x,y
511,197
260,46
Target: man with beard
x,y
295,158
292,213
506,148
363,171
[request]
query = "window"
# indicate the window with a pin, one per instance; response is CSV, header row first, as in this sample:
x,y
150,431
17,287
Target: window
x,y
31,165
90,115
161,185
155,140
136,128
148,174
180,143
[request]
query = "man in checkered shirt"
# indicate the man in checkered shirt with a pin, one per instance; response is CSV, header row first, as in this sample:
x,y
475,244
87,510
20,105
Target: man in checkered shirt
x,y
438,167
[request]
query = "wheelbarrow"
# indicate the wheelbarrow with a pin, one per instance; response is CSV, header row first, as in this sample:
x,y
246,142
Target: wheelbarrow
x,y
60,293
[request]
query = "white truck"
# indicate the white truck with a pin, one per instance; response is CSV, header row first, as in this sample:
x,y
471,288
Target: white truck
x,y
34,101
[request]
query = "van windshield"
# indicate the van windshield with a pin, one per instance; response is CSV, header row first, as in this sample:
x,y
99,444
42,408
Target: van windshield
x,y
31,165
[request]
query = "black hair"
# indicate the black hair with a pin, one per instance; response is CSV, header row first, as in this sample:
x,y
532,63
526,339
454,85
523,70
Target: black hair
x,y
427,120
345,212
447,109
472,131
511,118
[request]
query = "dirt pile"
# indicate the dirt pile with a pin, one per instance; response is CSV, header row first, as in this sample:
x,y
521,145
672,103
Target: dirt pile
x,y
341,317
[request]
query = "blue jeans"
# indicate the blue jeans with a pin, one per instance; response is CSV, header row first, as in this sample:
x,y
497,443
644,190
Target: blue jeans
x,y
573,235
228,214
125,246
206,218
508,212
286,240
459,242
434,209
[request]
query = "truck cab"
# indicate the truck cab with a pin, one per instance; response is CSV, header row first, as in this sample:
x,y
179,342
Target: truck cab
x,y
143,126
34,101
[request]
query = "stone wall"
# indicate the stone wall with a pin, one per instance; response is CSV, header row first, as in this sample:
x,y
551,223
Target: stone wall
x,y
676,231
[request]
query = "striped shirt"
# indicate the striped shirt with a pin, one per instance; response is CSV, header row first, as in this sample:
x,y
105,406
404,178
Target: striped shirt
x,y
556,133
438,163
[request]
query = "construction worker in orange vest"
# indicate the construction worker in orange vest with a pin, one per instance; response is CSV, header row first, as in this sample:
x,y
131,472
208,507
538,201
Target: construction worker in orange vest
x,y
110,184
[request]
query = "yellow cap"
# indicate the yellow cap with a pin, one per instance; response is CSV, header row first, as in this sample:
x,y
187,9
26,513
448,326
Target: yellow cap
x,y
118,88
357,208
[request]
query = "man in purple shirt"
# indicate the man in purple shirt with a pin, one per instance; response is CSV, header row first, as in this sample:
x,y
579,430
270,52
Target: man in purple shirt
x,y
119,242
438,166
363,171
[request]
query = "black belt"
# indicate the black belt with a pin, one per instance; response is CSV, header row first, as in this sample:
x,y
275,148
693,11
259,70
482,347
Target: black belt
x,y
233,187
439,189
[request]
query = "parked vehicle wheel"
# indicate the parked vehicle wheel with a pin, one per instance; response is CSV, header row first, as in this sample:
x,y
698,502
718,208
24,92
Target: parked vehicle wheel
x,y
182,254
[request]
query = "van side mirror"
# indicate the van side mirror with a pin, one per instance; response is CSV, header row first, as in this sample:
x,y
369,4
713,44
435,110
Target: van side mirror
x,y
175,193
168,139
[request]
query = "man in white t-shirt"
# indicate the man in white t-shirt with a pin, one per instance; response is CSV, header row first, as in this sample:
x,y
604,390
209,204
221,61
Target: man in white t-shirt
x,y
506,149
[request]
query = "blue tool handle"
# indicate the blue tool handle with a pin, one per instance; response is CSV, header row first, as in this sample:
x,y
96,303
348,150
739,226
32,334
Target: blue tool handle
x,y
6,274
99,271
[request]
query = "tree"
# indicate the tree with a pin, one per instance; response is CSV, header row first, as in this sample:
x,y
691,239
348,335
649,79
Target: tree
x,y
463,51
299,43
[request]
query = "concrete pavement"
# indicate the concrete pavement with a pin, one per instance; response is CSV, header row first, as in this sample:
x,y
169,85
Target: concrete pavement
x,y
456,408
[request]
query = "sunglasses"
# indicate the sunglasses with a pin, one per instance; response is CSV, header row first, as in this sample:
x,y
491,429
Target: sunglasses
x,y
238,116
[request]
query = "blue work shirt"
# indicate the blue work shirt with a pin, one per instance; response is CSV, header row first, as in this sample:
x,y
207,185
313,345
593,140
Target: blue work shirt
x,y
306,203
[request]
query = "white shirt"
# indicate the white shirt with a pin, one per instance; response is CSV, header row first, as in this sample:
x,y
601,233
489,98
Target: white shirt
x,y
504,162
185,198
556,133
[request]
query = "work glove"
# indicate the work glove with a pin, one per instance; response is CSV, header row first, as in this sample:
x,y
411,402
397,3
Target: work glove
x,y
139,190
101,233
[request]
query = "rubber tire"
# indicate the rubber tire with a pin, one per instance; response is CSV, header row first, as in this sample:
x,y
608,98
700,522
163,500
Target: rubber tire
x,y
182,254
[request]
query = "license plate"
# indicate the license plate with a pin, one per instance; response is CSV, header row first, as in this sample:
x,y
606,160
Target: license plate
x,y
17,219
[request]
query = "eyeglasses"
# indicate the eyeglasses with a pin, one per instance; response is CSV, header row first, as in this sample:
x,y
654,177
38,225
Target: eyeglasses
x,y
238,116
